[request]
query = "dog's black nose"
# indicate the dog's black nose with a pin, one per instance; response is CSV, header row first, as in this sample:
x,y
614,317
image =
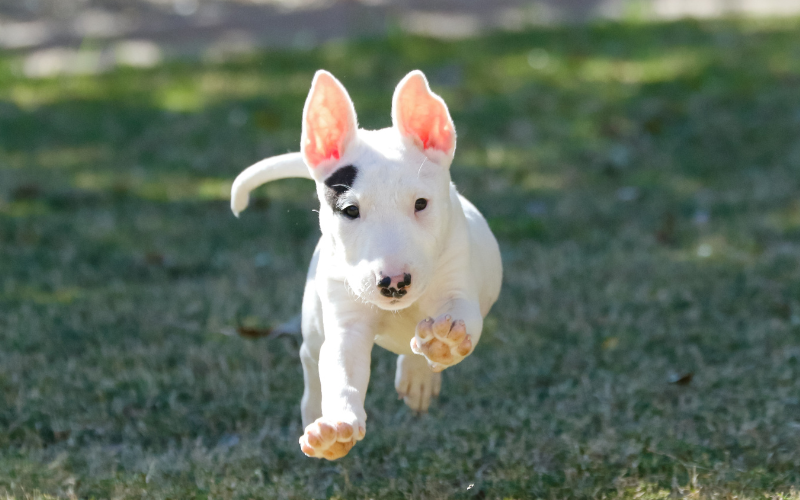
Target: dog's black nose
x,y
398,281
394,286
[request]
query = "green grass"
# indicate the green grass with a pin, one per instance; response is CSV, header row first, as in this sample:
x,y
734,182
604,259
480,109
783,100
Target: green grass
x,y
643,182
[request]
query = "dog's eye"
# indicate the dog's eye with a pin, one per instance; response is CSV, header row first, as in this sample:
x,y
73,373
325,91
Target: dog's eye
x,y
351,212
420,204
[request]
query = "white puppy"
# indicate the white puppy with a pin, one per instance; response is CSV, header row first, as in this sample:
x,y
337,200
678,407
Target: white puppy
x,y
404,261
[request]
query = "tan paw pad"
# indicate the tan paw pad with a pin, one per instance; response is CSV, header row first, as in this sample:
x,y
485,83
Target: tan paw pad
x,y
444,342
329,439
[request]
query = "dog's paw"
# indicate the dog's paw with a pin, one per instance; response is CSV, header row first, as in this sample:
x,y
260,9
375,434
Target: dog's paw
x,y
330,439
416,384
444,342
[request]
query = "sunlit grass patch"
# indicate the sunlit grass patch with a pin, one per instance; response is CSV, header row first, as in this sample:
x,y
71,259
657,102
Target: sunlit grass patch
x,y
34,94
680,64
23,208
787,218
548,66
714,249
27,294
164,187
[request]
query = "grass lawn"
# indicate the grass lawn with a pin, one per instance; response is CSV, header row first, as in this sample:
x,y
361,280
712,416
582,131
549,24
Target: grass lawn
x,y
643,182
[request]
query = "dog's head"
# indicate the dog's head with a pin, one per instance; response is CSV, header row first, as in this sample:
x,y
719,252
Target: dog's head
x,y
384,195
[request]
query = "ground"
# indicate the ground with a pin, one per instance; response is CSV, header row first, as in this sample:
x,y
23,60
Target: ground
x,y
642,180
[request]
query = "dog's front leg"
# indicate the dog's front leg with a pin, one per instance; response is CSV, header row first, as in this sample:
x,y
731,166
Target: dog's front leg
x,y
449,337
344,363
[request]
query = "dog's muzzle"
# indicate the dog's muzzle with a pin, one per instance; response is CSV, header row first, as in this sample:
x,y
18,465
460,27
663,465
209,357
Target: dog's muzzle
x,y
394,286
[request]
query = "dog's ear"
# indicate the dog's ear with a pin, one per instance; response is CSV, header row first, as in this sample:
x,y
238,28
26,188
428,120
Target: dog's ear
x,y
422,116
329,123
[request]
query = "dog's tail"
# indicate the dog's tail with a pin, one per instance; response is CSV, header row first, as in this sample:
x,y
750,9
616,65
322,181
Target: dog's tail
x,y
270,169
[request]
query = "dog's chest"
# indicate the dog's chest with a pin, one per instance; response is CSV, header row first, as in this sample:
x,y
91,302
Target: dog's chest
x,y
395,330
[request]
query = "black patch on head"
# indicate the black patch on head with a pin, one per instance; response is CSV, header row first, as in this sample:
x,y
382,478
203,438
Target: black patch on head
x,y
338,184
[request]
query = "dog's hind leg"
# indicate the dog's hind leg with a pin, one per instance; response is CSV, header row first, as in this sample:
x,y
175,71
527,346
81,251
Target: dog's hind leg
x,y
416,384
313,336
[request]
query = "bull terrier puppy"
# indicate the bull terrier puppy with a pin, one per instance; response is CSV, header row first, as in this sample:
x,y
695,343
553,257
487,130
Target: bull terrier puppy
x,y
404,261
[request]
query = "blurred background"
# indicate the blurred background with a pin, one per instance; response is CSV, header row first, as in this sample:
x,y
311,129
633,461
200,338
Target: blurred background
x,y
142,32
638,161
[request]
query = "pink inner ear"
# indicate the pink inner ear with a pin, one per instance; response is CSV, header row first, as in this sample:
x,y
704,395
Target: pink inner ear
x,y
424,116
328,121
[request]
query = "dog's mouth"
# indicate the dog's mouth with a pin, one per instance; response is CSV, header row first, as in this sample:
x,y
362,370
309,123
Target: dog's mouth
x,y
395,297
394,293
394,304
394,300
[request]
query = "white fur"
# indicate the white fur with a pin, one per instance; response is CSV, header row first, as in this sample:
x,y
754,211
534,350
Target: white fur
x,y
448,249
270,169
